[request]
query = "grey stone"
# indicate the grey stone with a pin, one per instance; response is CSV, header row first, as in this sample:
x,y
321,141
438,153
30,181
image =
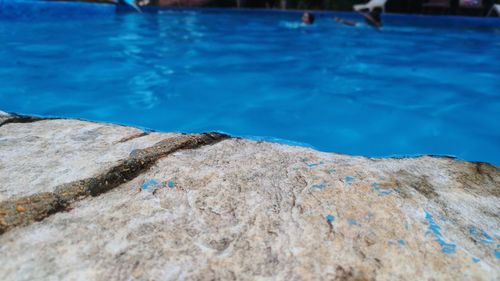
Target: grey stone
x,y
238,209
38,156
4,116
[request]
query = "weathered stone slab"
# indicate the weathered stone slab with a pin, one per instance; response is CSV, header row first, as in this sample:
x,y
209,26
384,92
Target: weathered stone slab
x,y
246,210
23,211
4,116
37,157
16,118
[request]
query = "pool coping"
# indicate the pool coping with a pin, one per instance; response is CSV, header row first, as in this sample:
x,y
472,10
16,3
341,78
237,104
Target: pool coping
x,y
29,118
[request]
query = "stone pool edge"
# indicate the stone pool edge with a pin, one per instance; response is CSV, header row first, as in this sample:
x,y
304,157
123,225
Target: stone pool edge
x,y
11,117
24,210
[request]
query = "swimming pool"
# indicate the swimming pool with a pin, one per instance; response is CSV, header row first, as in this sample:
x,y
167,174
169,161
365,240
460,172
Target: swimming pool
x,y
421,85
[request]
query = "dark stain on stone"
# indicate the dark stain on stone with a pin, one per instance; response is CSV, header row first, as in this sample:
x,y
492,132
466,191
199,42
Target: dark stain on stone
x,y
34,208
39,206
350,274
342,274
369,241
220,245
449,157
132,137
421,184
15,118
480,178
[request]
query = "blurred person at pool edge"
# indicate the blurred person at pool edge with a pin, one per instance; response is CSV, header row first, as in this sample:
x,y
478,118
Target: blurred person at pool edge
x,y
372,18
308,18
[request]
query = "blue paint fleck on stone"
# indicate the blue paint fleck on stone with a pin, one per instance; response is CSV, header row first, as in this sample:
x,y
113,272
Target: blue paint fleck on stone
x,y
487,238
473,231
476,260
369,216
320,185
401,242
171,184
497,254
149,183
312,165
435,230
352,222
330,218
481,235
384,191
349,180
134,153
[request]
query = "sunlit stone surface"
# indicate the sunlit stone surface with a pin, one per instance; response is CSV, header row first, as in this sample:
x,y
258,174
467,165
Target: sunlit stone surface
x,y
36,157
246,210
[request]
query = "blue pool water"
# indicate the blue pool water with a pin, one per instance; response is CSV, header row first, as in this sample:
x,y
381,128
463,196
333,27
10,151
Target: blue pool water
x,y
421,85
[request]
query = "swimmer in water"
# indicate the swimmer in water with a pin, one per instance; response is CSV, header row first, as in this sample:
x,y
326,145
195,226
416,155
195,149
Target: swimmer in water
x,y
308,18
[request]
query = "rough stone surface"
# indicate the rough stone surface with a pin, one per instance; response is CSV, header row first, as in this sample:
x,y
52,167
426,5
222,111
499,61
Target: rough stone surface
x,y
4,116
23,211
36,157
16,118
248,210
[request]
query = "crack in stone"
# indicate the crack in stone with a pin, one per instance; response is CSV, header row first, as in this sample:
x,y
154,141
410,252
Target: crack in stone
x,y
7,118
132,137
26,210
